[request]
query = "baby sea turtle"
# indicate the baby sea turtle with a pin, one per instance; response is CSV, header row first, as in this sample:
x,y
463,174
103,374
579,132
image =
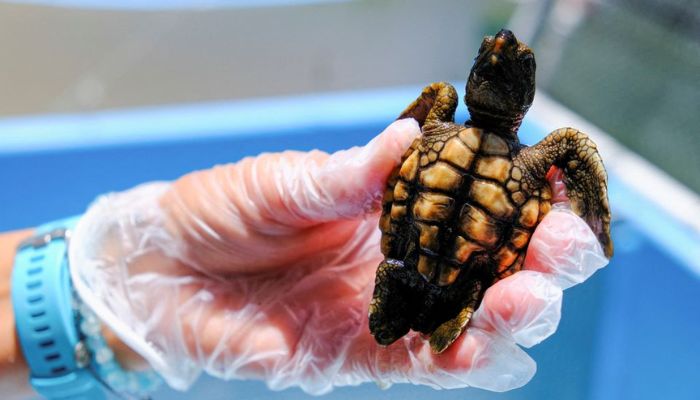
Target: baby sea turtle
x,y
458,213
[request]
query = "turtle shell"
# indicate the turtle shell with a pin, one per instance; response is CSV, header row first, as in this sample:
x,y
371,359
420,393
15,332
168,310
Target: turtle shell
x,y
454,209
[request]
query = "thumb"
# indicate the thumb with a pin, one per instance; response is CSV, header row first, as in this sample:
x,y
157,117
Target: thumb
x,y
348,183
555,177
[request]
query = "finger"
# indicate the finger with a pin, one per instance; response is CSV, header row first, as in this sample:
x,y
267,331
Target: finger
x,y
485,361
476,359
565,247
228,336
350,182
525,307
555,177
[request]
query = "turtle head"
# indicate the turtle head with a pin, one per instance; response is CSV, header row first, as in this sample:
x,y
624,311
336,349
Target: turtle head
x,y
501,84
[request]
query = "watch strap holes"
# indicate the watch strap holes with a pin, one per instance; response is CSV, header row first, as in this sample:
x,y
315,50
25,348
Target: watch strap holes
x,y
34,299
58,370
33,285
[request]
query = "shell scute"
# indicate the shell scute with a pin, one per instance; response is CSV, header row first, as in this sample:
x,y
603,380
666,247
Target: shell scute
x,y
401,191
428,238
457,153
505,257
529,213
497,168
463,249
519,238
409,168
432,206
471,137
492,197
441,176
479,226
448,274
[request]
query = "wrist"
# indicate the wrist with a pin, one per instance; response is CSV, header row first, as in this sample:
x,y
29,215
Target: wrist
x,y
14,372
14,369
125,356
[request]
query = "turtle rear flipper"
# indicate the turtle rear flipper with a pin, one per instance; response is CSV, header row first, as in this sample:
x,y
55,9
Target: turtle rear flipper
x,y
449,331
390,313
584,176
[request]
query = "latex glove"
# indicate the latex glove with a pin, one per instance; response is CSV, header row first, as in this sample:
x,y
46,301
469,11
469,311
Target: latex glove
x,y
264,269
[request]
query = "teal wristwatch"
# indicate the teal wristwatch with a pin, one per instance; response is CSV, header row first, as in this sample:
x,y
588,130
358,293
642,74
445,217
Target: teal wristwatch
x,y
45,316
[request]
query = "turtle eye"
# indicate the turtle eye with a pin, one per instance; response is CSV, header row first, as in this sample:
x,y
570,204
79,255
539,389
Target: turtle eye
x,y
528,61
485,43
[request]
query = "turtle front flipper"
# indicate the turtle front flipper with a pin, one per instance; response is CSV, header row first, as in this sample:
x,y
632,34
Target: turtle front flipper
x,y
584,176
437,103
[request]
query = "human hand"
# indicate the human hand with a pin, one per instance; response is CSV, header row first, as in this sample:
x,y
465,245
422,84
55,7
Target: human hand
x,y
264,269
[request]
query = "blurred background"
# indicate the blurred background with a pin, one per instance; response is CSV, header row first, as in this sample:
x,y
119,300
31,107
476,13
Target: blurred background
x,y
99,92
632,67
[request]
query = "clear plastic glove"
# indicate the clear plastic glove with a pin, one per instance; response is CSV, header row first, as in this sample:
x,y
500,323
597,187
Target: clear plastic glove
x,y
264,269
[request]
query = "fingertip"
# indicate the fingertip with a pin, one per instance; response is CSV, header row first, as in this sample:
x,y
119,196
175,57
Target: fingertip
x,y
355,179
525,306
406,130
482,359
565,247
396,138
555,177
462,355
386,150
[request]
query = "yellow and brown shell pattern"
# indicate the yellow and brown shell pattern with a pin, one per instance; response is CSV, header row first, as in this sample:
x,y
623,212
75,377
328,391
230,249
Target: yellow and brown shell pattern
x,y
460,191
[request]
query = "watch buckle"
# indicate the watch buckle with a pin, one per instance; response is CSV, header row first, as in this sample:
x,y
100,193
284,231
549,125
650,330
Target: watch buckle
x,y
44,239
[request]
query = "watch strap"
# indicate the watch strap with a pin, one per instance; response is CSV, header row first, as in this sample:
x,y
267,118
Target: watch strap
x,y
45,317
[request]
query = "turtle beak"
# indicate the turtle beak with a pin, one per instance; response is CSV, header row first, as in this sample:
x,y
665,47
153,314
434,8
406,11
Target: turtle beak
x,y
498,45
496,51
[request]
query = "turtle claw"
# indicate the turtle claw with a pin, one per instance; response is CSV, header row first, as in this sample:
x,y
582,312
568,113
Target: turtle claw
x,y
443,337
606,243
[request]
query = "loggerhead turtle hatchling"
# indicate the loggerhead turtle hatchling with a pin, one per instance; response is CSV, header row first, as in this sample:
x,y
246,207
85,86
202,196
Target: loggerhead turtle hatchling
x,y
458,212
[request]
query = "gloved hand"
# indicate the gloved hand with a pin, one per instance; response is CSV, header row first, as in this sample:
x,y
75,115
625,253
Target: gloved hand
x,y
264,269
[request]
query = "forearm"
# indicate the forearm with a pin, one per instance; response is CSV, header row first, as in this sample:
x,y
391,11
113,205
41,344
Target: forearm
x,y
14,383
